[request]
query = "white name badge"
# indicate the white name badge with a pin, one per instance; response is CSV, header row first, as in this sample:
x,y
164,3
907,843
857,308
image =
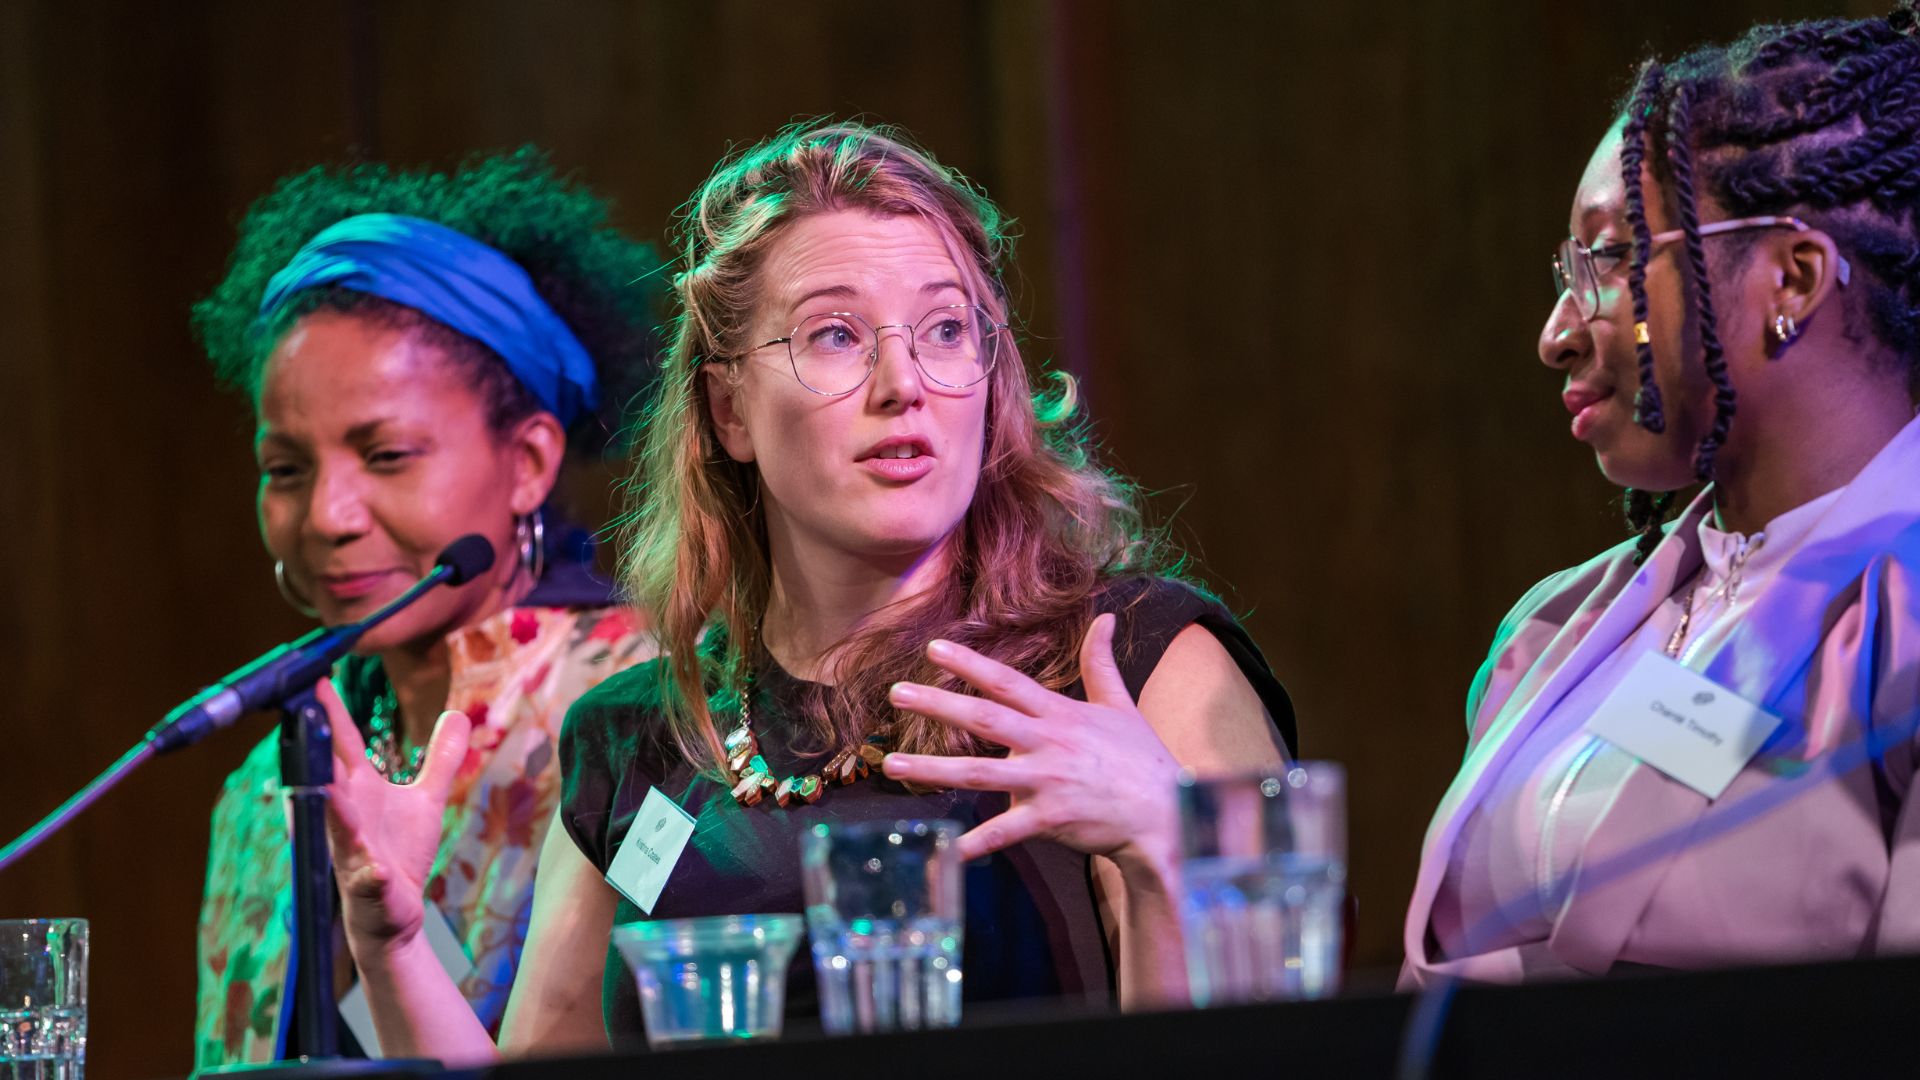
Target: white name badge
x,y
446,949
653,845
1683,723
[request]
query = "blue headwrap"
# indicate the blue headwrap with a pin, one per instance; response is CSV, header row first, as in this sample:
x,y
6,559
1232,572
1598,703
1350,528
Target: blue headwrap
x,y
454,279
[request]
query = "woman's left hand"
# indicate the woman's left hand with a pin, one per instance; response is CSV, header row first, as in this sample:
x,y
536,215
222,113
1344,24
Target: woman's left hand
x,y
1092,775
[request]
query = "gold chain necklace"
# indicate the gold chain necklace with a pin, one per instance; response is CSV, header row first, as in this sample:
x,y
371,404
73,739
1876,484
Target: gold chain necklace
x,y
752,778
1736,567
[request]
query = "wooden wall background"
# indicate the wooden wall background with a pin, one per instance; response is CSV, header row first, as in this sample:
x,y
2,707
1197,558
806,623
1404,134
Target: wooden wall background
x,y
1299,250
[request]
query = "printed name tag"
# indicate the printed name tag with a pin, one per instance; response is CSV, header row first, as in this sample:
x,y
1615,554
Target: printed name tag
x,y
1682,723
446,949
660,831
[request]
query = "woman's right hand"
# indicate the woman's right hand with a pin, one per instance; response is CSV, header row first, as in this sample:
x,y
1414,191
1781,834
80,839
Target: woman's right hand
x,y
385,836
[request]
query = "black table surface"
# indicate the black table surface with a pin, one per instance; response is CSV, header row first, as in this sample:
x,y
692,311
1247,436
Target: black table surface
x,y
1810,1021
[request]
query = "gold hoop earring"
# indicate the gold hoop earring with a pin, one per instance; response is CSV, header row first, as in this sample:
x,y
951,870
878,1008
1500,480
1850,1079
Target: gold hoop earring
x,y
299,603
1785,330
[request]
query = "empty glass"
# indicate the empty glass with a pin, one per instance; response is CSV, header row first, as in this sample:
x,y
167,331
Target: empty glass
x,y
1264,874
884,914
717,977
43,999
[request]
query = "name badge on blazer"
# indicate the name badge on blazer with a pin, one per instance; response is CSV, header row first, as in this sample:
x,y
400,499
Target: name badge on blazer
x,y
659,833
1683,723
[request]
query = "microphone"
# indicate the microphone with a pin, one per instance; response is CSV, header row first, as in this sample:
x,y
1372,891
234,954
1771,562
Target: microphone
x,y
270,680
272,677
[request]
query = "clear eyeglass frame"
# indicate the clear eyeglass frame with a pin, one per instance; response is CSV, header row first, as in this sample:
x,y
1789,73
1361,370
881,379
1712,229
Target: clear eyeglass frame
x,y
989,345
1577,268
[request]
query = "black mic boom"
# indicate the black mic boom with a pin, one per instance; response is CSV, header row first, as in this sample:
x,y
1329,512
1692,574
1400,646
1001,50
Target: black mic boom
x,y
288,669
272,680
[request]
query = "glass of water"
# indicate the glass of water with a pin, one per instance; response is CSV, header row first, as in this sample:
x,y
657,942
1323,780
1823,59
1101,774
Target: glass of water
x,y
1264,874
884,914
43,999
720,977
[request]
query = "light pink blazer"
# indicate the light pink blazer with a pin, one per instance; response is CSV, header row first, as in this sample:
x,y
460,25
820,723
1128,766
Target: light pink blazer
x,y
1832,869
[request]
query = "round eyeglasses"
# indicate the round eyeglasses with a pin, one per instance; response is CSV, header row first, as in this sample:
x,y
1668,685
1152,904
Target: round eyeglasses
x,y
834,352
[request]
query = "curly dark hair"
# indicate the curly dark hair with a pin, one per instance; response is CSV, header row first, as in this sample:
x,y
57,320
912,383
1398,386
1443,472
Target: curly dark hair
x,y
1820,120
598,281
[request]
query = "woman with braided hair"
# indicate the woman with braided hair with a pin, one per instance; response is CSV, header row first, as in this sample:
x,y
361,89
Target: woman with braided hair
x,y
1698,748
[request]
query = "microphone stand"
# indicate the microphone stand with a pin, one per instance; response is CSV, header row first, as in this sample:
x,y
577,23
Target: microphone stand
x,y
306,768
284,679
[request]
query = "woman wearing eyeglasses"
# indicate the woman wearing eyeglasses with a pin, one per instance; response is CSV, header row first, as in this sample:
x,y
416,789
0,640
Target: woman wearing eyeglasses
x,y
1698,748
889,583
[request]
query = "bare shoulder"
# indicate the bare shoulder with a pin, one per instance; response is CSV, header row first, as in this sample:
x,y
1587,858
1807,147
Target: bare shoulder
x,y
1202,706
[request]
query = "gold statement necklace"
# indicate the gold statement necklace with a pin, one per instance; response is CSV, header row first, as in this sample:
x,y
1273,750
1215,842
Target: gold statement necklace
x,y
753,779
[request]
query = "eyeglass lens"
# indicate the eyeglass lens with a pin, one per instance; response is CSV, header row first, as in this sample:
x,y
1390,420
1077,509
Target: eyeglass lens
x,y
1573,272
833,352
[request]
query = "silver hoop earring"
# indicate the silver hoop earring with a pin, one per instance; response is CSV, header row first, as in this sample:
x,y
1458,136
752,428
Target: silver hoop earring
x,y
530,532
299,603
1785,330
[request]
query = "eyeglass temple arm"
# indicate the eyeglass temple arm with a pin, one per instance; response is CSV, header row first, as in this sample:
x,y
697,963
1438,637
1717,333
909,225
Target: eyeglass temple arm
x,y
1842,268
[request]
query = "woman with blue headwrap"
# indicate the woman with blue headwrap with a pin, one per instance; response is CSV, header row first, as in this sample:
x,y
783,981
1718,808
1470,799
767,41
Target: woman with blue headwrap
x,y
421,350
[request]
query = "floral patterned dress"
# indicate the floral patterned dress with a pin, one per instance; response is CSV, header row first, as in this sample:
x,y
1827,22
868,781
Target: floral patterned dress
x,y
514,675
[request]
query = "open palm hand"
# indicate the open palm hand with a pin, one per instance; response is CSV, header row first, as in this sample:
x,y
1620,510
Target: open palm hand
x,y
385,836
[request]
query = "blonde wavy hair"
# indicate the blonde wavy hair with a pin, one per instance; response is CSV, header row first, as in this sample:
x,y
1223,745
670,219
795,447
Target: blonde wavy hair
x,y
1046,528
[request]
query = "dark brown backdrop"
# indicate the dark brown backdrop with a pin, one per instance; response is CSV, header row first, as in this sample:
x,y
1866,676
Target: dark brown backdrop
x,y
1298,249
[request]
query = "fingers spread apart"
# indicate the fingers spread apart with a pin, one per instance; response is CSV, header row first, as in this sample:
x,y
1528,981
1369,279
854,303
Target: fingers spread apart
x,y
992,678
989,720
964,773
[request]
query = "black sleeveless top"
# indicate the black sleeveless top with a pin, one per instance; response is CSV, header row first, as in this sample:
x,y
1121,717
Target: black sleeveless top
x,y
1032,926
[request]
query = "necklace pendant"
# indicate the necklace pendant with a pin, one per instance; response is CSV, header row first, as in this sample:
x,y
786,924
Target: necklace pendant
x,y
753,781
751,786
740,738
748,791
802,789
846,767
740,761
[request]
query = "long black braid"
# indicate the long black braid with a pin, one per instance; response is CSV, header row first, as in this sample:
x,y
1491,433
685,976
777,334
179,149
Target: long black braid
x,y
1713,357
1633,154
1820,120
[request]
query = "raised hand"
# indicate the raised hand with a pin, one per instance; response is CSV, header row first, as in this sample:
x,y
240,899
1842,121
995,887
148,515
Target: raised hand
x,y
1090,774
385,835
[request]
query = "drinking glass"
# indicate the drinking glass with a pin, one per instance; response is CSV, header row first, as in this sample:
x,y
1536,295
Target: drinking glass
x,y
719,977
884,915
43,999
1264,883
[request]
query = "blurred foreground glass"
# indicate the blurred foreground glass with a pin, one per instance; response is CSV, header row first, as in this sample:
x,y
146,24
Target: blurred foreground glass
x,y
884,912
43,999
1264,873
716,977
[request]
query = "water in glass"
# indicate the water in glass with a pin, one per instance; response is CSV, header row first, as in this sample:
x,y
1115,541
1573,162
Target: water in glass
x,y
716,978
43,1044
1263,929
884,913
